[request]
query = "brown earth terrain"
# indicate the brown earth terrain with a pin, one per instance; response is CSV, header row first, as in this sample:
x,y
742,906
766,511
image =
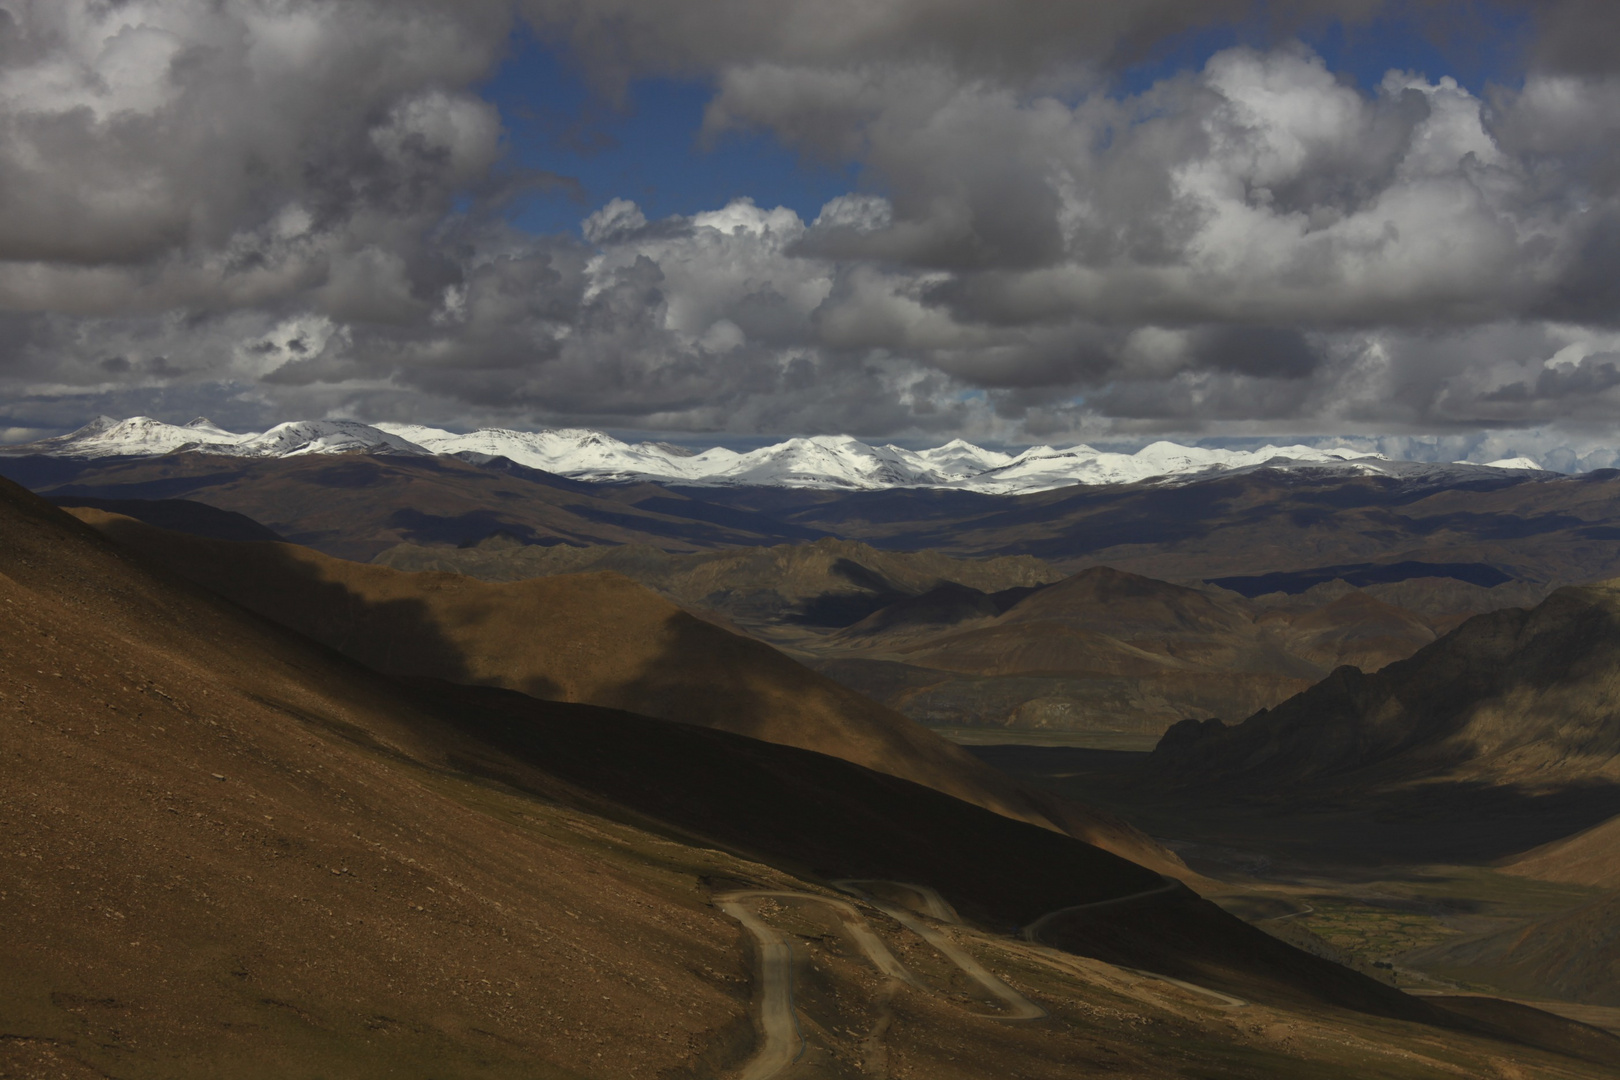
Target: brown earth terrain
x,y
1266,530
595,638
1290,541
1002,643
1513,698
355,505
1570,954
1590,857
1105,651
1420,888
231,851
1449,820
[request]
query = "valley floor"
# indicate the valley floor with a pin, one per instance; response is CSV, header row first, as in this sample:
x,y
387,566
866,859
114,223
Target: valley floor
x,y
1396,887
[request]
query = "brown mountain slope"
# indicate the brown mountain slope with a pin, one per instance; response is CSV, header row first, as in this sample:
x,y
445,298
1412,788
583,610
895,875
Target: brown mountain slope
x,y
230,852
1510,698
1538,529
788,595
1571,956
356,505
599,639
1184,626
1590,857
1108,651
1355,629
825,584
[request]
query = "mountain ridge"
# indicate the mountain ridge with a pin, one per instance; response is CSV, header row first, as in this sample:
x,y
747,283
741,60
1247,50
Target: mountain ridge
x,y
827,462
1513,698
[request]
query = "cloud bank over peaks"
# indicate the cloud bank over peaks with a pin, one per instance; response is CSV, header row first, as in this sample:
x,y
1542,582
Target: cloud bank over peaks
x,y
257,210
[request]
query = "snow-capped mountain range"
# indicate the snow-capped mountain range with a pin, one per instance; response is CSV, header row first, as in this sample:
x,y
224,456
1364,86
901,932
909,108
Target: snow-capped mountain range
x,y
825,461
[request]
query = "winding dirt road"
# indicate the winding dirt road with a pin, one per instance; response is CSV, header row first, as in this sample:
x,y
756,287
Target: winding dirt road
x,y
1032,932
781,1043
1017,1005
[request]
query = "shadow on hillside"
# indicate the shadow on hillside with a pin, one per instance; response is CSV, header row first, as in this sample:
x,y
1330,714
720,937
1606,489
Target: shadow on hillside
x,y
1435,821
707,676
397,636
826,818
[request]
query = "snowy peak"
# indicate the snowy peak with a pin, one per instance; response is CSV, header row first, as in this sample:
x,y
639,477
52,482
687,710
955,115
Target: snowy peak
x,y
325,437
142,436
139,436
1043,467
834,462
959,459
576,452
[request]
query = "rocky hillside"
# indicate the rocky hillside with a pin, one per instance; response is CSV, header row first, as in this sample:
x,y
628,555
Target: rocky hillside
x,y
1523,698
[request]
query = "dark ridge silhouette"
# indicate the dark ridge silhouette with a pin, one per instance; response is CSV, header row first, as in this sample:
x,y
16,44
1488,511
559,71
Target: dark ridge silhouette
x,y
1360,574
832,820
946,604
1512,697
180,515
462,529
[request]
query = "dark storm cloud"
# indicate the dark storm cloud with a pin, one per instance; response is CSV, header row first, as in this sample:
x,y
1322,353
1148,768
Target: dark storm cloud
x,y
1576,36
1018,39
297,208
1015,39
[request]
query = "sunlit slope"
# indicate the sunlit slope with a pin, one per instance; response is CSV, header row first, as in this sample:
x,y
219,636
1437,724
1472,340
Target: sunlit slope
x,y
231,853
1355,629
1107,650
599,639
1590,857
1571,956
826,584
1513,697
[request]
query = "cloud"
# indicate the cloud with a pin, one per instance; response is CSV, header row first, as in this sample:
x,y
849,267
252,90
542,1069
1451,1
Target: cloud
x,y
1016,41
1262,190
160,154
295,208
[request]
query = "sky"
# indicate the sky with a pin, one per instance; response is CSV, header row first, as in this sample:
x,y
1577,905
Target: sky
x,y
722,221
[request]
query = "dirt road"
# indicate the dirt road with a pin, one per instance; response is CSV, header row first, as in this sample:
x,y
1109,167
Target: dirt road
x,y
780,1041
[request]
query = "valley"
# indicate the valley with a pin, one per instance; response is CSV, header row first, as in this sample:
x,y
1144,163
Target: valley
x,y
906,595
750,733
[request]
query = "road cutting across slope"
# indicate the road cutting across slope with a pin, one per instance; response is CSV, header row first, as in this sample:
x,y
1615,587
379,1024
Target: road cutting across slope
x,y
930,902
1017,1005
1032,932
780,1040
782,1043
